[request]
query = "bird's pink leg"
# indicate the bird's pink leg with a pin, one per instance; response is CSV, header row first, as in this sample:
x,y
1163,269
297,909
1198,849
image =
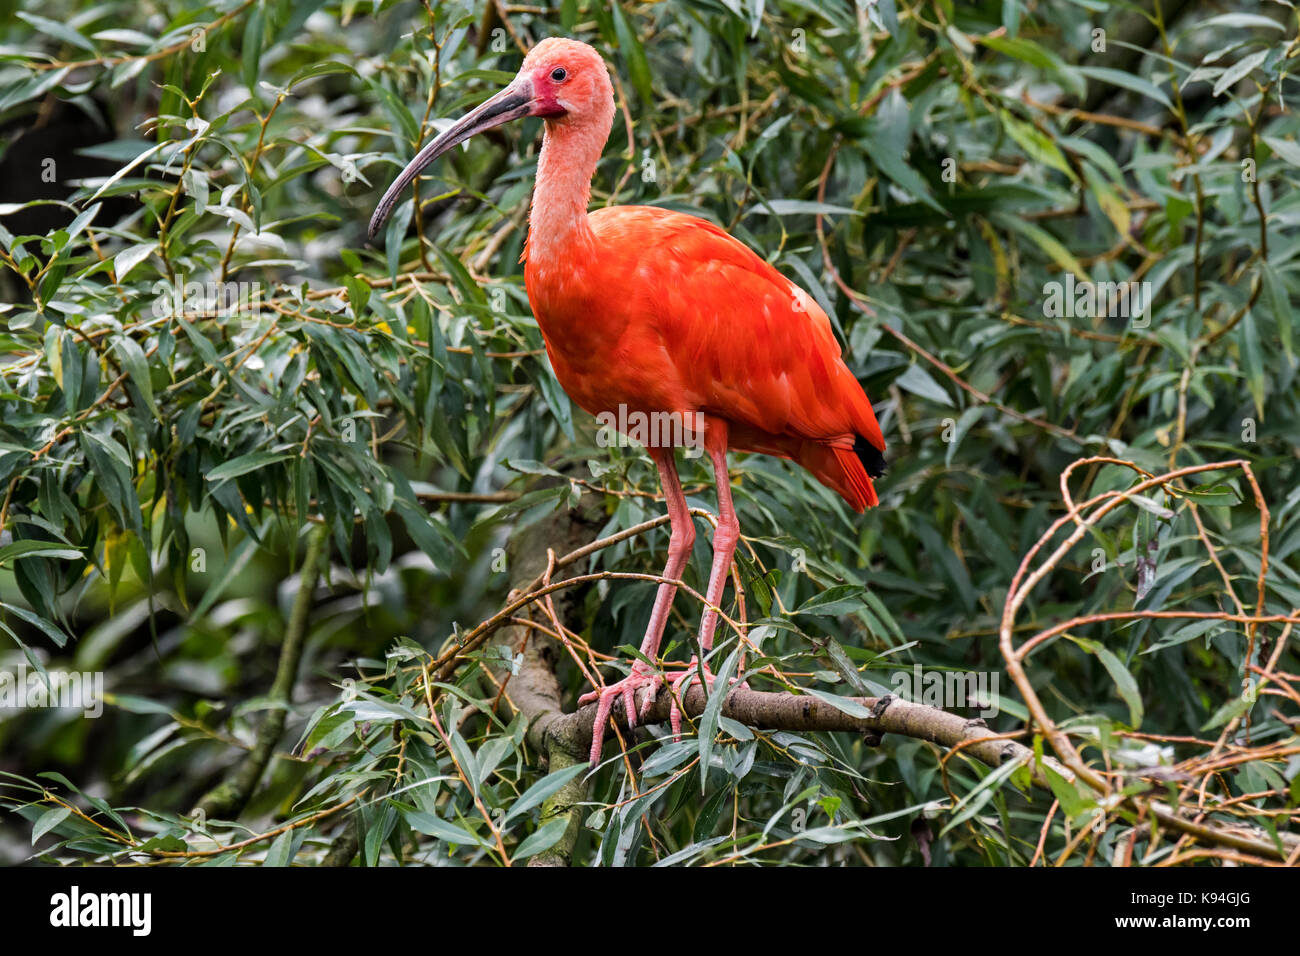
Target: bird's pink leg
x,y
725,538
680,543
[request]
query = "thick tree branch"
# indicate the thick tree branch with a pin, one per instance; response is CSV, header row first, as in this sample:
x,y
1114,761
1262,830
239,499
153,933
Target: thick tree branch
x,y
533,689
766,711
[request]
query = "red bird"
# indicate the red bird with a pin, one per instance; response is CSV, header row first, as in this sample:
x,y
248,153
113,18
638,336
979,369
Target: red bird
x,y
647,312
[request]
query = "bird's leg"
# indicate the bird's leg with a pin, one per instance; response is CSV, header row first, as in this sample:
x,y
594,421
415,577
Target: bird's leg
x,y
680,543
725,538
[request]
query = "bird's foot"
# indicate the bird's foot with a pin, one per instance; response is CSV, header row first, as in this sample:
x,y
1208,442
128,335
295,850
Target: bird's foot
x,y
683,682
642,676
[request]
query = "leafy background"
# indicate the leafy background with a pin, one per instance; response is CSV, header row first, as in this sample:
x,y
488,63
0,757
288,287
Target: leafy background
x,y
924,169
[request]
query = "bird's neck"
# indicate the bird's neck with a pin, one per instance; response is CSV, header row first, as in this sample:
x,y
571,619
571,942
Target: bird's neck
x,y
558,219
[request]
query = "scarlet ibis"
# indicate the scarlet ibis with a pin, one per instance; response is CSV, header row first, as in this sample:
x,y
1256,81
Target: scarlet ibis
x,y
648,313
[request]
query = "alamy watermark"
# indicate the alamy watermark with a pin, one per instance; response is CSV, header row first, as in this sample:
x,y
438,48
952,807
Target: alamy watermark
x,y
22,689
180,297
949,689
133,911
652,430
1090,300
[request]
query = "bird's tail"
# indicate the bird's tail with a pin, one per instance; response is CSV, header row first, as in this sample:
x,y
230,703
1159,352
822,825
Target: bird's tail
x,y
846,470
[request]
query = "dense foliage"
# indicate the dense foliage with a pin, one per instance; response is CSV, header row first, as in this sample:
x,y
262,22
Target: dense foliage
x,y
203,361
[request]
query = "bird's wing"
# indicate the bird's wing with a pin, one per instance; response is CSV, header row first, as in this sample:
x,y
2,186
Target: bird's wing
x,y
747,343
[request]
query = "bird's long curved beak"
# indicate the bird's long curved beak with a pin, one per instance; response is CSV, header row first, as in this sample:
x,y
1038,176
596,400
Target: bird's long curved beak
x,y
514,102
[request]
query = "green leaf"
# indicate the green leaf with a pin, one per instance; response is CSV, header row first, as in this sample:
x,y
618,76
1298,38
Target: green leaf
x,y
48,821
325,68
1284,149
59,638
281,851
1239,71
844,667
1067,794
556,399
124,37
1188,632
1231,709
799,207
973,801
709,814
1252,360
1036,144
536,794
1027,51
918,381
246,463
254,31
465,283
437,827
834,601
894,165
1221,495
1045,241
58,31
712,711
843,704
543,838
630,46
1124,682
1280,300
397,111
136,366
46,549
130,257
1242,21
1129,81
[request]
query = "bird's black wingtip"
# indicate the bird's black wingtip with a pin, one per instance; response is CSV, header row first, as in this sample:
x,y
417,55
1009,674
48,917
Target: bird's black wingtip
x,y
872,458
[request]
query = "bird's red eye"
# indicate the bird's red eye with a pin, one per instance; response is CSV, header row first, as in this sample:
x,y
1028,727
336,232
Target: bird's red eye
x,y
558,74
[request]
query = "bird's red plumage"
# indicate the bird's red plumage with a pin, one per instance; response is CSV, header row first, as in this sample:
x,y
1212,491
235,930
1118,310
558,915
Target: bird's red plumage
x,y
658,311
647,311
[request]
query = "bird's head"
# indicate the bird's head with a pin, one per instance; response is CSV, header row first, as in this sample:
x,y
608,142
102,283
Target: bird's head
x,y
564,81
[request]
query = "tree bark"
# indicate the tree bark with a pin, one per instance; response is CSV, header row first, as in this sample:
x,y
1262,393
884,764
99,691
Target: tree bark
x,y
765,711
535,690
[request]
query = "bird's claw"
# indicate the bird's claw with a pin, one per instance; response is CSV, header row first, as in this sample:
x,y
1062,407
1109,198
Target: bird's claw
x,y
627,688
641,676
